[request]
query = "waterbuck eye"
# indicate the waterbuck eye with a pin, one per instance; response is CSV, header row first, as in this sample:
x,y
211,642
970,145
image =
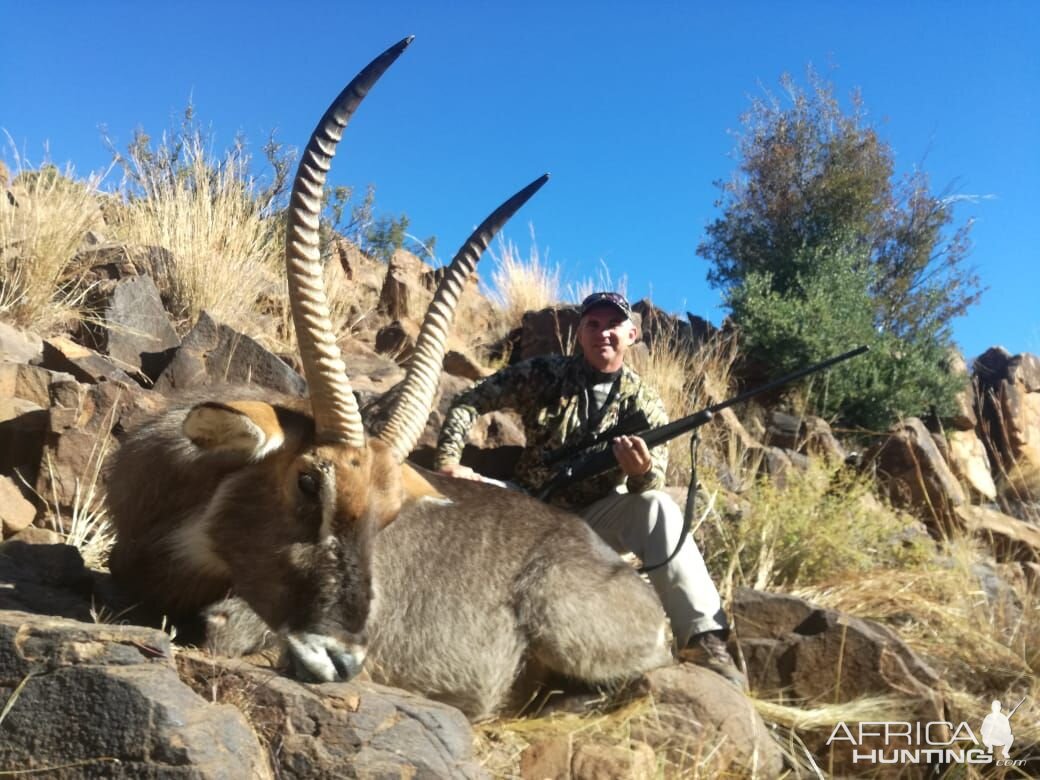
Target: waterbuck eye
x,y
308,484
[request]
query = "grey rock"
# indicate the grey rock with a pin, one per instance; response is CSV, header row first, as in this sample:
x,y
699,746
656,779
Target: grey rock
x,y
215,353
350,730
134,328
105,701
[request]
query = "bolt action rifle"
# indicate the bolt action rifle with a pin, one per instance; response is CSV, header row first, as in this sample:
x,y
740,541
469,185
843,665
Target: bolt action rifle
x,y
596,456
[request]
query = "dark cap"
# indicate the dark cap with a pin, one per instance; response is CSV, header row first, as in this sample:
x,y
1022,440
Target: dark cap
x,y
617,300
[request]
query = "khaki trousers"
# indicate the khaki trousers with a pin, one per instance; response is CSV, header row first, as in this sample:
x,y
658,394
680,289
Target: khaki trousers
x,y
649,525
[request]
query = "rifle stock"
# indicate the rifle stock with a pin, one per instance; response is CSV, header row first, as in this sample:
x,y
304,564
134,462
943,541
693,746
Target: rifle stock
x,y
599,457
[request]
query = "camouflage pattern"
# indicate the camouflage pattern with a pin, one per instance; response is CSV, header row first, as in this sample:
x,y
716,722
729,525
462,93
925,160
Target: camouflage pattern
x,y
551,394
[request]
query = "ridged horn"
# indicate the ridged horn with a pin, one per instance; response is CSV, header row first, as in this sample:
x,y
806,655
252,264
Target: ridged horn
x,y
336,415
419,387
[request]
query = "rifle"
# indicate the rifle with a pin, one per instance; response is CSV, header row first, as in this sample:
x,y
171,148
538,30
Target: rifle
x,y
598,456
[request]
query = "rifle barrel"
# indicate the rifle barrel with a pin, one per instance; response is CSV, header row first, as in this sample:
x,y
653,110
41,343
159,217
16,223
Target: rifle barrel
x,y
579,468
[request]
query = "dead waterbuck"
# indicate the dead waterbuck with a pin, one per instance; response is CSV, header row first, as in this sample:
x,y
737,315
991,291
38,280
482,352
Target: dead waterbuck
x,y
453,589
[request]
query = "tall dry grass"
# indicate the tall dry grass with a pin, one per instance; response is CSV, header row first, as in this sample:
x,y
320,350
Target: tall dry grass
x,y
44,217
688,378
519,284
226,250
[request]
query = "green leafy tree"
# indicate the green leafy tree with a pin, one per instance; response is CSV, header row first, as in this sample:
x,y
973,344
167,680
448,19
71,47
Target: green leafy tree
x,y
819,247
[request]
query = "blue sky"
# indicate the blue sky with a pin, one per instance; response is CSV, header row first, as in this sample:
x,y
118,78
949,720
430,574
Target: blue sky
x,y
629,106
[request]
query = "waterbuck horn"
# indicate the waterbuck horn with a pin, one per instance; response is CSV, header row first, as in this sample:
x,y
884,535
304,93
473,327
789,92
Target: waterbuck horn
x,y
336,414
419,387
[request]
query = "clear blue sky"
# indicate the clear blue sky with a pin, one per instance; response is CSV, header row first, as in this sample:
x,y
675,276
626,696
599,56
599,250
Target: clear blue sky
x,y
627,105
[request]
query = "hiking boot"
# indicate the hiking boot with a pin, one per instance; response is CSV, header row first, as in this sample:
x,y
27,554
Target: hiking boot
x,y
709,650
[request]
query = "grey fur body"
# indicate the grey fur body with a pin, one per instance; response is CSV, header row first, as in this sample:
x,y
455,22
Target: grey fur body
x,y
474,599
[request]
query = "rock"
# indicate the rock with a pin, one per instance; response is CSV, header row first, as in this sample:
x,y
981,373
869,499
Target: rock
x,y
18,346
35,535
807,435
86,365
31,383
397,339
458,362
81,424
102,701
549,331
355,729
824,657
698,713
103,263
495,441
16,512
215,353
45,577
132,327
23,431
964,417
820,655
967,457
563,758
915,475
1009,389
1013,539
403,294
371,374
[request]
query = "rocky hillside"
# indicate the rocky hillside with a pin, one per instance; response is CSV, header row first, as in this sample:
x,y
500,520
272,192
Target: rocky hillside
x,y
894,580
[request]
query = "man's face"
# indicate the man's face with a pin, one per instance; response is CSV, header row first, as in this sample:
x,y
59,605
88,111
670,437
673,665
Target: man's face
x,y
604,334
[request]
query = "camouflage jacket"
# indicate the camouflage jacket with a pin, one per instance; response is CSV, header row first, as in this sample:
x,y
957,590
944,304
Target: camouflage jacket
x,y
551,394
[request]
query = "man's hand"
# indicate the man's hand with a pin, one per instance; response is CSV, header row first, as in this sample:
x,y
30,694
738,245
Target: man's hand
x,y
632,455
459,471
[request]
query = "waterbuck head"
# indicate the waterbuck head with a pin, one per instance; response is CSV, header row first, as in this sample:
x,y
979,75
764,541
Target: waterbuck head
x,y
313,488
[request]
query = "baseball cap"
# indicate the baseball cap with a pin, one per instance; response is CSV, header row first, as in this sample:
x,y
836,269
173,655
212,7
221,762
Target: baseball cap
x,y
617,300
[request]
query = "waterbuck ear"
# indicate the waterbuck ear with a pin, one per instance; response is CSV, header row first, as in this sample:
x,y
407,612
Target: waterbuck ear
x,y
248,428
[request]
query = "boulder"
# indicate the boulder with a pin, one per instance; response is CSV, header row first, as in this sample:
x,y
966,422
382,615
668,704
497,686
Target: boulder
x,y
131,326
549,331
18,346
85,365
397,339
804,434
913,473
495,441
16,512
1009,389
1012,539
23,431
47,578
821,655
964,417
403,294
86,700
697,713
214,353
824,657
583,758
967,457
31,383
355,729
82,423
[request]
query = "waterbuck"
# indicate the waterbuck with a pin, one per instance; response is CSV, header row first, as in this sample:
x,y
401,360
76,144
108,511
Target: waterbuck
x,y
327,539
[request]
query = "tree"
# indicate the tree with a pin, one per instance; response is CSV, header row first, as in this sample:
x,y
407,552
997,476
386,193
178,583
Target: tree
x,y
820,247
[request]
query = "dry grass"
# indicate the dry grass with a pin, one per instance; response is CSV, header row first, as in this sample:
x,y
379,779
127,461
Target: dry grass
x,y
520,284
227,254
822,523
688,381
40,233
